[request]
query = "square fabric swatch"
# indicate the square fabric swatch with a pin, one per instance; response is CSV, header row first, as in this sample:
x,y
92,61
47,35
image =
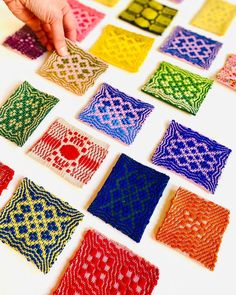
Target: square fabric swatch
x,y
122,48
102,266
151,16
86,17
193,155
129,196
191,47
194,226
227,75
37,224
76,72
21,114
215,16
6,175
108,2
25,42
178,87
116,113
70,152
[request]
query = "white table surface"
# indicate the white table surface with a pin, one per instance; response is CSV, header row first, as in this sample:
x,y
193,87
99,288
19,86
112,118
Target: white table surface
x,y
216,118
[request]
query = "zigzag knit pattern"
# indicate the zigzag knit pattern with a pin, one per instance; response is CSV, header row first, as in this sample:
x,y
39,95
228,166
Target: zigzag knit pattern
x,y
193,155
6,175
103,267
194,226
37,224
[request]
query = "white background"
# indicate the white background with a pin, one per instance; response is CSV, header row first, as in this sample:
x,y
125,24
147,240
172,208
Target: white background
x,y
216,118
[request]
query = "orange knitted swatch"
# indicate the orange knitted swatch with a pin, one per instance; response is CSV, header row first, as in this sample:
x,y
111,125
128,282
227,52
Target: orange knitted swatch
x,y
194,226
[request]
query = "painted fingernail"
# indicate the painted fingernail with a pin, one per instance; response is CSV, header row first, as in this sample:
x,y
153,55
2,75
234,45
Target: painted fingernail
x,y
63,51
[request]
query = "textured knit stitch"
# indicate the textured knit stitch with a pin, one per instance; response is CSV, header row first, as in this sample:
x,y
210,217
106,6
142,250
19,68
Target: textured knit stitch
x,y
149,15
227,75
193,155
194,226
103,267
86,17
21,114
108,2
70,152
129,197
215,16
25,42
122,48
76,72
37,224
191,47
178,87
116,113
6,175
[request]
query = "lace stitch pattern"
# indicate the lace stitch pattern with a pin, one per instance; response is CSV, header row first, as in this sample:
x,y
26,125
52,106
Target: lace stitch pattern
x,y
21,114
191,47
227,75
6,175
194,226
102,266
76,72
129,197
122,48
178,87
193,155
37,224
116,113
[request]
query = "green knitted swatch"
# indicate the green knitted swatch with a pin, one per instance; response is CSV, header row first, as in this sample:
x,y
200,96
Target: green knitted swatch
x,y
178,87
21,114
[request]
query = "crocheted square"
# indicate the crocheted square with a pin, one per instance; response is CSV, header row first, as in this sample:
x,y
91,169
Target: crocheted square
x,y
37,224
21,114
86,17
122,48
6,175
193,155
108,2
150,16
70,152
116,113
215,16
25,42
178,87
191,47
76,72
129,197
194,226
102,266
227,75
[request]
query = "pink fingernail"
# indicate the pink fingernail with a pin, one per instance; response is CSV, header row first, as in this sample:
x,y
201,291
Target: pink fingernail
x,y
63,51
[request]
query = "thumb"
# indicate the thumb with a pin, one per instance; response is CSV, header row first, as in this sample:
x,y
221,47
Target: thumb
x,y
58,36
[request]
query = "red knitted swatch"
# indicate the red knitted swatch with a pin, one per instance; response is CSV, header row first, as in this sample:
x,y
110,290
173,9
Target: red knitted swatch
x,y
103,267
6,175
194,226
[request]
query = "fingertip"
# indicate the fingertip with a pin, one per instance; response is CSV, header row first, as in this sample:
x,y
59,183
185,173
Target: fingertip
x,y
63,51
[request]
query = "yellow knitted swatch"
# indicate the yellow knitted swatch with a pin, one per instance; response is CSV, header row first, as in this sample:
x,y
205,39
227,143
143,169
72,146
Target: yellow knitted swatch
x,y
122,48
108,2
215,16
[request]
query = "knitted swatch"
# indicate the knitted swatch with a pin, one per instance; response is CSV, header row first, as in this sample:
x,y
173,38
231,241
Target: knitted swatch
x,y
178,87
194,226
148,15
102,266
86,17
6,175
108,2
227,75
37,224
215,16
122,48
21,114
129,197
193,155
76,72
116,113
70,152
191,47
25,42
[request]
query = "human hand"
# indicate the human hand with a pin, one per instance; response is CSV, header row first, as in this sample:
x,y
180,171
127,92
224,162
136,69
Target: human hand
x,y
51,20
